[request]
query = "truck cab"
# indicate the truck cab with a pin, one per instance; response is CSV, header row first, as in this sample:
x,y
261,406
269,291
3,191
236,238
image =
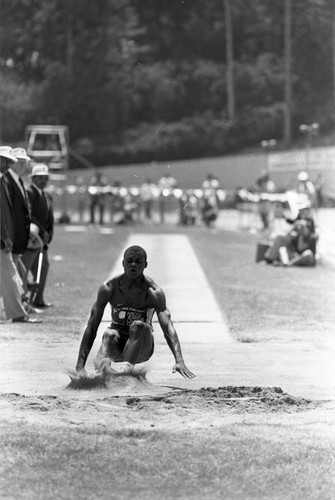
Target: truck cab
x,y
48,144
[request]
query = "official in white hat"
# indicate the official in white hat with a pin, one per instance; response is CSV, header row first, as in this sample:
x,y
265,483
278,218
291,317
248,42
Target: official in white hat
x,y
21,154
23,161
40,169
42,215
7,152
21,211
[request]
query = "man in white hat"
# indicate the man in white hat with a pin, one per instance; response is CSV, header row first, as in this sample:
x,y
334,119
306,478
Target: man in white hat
x,y
11,284
41,205
20,207
25,259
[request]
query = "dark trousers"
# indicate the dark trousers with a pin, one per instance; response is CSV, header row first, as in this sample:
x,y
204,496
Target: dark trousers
x,y
96,201
39,298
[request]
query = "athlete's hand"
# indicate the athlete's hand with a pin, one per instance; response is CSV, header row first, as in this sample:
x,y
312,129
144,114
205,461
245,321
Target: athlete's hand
x,y
181,368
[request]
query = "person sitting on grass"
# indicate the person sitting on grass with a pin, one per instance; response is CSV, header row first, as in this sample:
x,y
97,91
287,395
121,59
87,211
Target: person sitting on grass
x,y
296,248
129,340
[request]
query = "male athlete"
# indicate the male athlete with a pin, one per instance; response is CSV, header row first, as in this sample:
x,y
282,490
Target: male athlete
x,y
134,298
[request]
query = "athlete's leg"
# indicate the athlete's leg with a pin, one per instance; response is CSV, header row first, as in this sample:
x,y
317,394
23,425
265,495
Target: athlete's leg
x,y
306,259
273,252
109,350
139,347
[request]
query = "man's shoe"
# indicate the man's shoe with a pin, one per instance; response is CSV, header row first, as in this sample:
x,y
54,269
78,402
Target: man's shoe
x,y
32,310
26,319
42,304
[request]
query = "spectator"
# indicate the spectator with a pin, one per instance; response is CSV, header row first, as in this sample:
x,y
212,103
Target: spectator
x,y
265,185
117,202
319,186
166,184
81,192
209,209
188,208
297,247
20,205
97,191
11,284
211,183
41,204
147,193
306,186
129,211
210,202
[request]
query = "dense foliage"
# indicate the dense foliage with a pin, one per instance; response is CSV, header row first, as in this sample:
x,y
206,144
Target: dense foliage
x,y
146,79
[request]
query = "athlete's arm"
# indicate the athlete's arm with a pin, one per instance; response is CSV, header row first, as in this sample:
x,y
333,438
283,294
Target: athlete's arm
x,y
94,321
170,334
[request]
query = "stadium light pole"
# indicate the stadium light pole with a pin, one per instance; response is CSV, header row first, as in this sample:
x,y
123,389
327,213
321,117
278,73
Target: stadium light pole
x,y
309,130
267,146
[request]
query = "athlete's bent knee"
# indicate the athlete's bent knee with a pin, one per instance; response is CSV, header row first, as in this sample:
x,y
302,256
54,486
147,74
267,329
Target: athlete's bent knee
x,y
110,336
138,327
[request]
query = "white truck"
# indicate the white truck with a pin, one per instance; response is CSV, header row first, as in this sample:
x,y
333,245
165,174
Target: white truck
x,y
48,144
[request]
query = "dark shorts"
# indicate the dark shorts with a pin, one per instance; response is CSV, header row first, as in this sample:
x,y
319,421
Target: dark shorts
x,y
124,336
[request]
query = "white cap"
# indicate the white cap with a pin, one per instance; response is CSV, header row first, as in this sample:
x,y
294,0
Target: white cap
x,y
21,154
303,176
7,152
40,169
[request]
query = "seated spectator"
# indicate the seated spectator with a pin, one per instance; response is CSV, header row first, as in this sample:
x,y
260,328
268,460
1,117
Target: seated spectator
x,y
209,210
296,248
188,208
129,211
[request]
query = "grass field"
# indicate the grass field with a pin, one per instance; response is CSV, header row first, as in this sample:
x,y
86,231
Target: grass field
x,y
232,443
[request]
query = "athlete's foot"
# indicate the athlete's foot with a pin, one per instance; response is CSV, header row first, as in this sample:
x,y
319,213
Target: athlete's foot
x,y
124,368
99,362
103,368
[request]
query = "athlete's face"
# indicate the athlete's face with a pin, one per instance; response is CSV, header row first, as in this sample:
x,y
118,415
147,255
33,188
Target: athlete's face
x,y
134,263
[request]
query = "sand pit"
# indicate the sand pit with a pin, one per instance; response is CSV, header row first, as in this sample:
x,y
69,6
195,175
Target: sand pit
x,y
92,395
230,399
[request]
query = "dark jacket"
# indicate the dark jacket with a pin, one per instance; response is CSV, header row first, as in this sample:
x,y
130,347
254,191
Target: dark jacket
x,y
21,214
41,212
7,219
